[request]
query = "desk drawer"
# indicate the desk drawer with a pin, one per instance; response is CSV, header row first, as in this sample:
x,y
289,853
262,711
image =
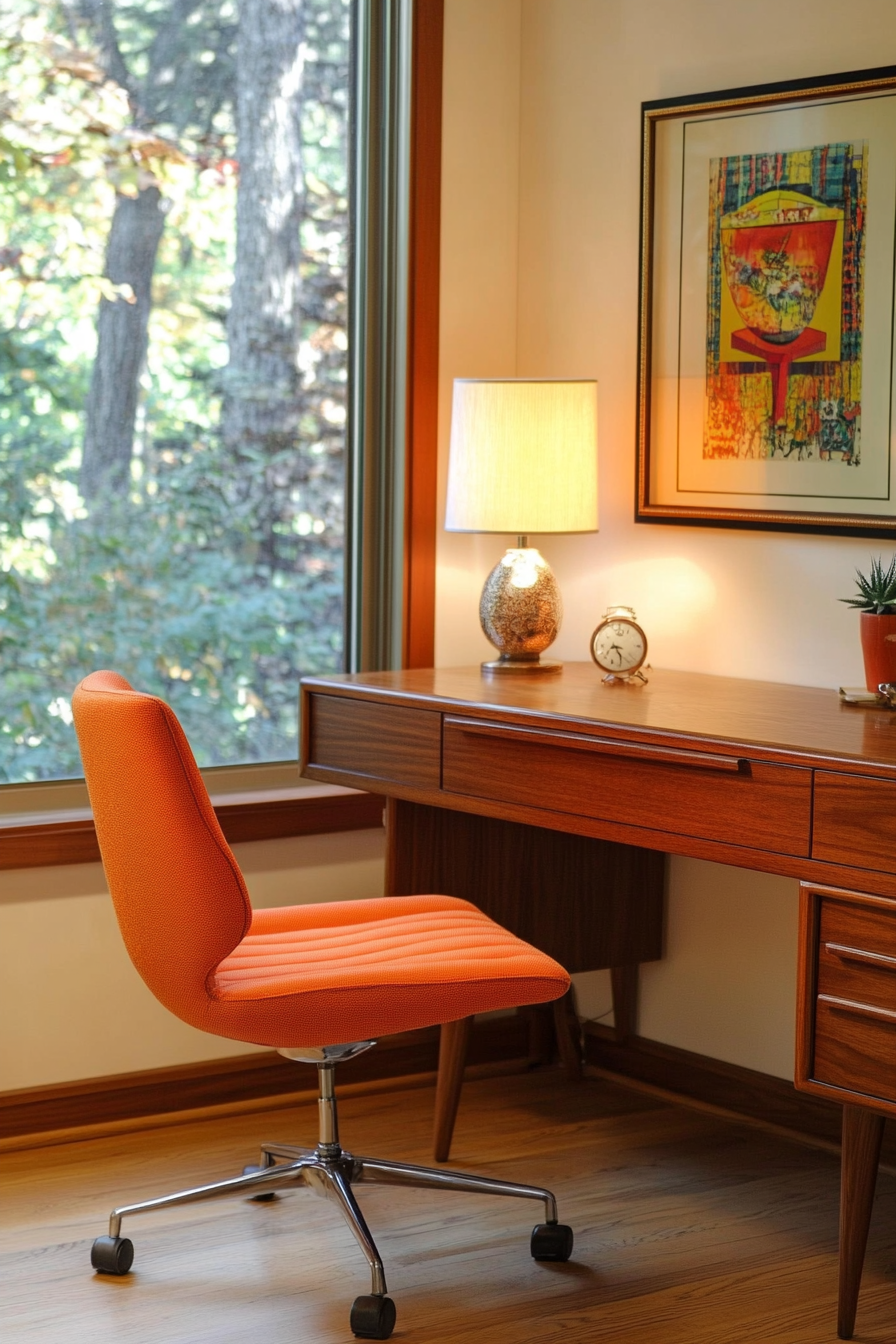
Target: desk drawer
x,y
855,821
857,954
852,995
363,743
855,1048
711,796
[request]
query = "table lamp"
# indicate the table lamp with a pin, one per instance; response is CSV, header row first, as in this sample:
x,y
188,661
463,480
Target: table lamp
x,y
523,459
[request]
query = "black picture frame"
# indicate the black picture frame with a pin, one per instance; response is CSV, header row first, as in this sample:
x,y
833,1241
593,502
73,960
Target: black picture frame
x,y
800,458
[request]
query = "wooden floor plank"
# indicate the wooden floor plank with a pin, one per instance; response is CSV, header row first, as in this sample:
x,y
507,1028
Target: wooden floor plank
x,y
690,1229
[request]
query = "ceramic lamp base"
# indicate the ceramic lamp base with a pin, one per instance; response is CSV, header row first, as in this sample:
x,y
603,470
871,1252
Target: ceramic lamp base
x,y
520,612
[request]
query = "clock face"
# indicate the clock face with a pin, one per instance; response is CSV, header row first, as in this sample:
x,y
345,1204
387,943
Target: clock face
x,y
618,646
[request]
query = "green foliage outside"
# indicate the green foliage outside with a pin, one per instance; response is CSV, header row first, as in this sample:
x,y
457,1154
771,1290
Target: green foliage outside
x,y
187,581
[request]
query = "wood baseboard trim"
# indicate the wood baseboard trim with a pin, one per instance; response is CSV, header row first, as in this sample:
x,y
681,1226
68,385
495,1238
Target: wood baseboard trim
x,y
730,1088
51,843
282,1102
95,1107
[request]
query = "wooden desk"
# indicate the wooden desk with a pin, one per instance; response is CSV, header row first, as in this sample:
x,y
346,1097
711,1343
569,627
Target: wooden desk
x,y
551,800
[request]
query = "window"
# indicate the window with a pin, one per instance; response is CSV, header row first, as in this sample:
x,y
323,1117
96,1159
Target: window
x,y
174,225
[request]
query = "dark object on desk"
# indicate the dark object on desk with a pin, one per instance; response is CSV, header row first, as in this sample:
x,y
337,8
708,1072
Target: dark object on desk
x,y
884,697
782,779
298,978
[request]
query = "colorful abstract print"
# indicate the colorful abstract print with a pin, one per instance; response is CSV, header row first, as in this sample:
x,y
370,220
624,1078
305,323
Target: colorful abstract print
x,y
784,305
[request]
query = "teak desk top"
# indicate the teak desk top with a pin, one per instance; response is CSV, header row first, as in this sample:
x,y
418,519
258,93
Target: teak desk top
x,y
774,720
786,779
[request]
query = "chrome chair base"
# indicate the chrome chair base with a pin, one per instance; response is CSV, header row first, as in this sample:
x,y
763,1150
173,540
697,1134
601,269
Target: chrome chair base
x,y
329,1171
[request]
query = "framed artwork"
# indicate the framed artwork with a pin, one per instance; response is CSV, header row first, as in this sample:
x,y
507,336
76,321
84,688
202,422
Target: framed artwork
x,y
766,365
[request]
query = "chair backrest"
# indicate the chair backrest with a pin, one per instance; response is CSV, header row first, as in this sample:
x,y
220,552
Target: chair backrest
x,y
179,895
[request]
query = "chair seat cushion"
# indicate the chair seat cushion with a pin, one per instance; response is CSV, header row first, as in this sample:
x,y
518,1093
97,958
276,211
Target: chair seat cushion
x,y
322,974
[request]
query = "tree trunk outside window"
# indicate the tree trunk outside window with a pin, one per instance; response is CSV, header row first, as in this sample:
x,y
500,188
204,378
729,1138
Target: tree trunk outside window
x,y
262,401
122,333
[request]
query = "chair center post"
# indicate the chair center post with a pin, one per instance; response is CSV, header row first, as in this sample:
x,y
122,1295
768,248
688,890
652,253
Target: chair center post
x,y
328,1122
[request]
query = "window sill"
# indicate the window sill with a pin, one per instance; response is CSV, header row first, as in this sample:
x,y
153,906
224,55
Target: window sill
x,y
48,840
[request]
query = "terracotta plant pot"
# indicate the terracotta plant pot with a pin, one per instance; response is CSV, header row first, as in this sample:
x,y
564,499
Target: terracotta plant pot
x,y
878,648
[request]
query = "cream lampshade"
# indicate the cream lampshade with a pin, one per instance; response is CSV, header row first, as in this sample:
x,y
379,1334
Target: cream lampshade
x,y
523,460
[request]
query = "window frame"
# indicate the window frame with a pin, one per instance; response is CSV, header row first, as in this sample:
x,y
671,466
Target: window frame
x,y
393,453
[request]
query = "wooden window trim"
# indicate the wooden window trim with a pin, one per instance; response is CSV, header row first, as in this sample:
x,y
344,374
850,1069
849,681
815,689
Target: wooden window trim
x,y
52,843
423,336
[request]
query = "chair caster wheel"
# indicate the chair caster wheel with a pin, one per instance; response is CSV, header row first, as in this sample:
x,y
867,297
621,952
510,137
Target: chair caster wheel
x,y
551,1241
269,1194
373,1317
112,1255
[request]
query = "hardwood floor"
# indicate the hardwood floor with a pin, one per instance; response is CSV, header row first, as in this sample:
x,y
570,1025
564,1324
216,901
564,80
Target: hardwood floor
x,y
690,1229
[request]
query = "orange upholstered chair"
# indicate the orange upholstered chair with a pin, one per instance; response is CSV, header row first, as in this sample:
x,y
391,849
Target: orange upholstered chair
x,y
316,982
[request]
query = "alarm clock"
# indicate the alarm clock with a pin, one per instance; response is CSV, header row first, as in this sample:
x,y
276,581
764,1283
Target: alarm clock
x,y
619,645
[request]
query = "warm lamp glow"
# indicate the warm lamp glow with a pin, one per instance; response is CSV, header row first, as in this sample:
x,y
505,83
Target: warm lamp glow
x,y
523,456
523,460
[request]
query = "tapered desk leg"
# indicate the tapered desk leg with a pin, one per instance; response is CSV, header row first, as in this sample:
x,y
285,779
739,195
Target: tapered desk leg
x,y
589,903
566,1027
862,1134
452,1057
624,984
542,1034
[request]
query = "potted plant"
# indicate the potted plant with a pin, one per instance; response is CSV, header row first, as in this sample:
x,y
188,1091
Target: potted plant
x,y
876,601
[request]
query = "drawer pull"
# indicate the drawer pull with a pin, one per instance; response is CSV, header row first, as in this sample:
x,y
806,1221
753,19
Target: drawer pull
x,y
877,959
607,746
858,1009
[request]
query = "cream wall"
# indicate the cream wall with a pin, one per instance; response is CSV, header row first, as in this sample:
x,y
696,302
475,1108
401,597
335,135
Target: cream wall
x,y
540,278
72,1005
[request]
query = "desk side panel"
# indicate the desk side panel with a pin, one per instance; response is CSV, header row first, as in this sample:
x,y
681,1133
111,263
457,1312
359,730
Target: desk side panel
x,y
588,903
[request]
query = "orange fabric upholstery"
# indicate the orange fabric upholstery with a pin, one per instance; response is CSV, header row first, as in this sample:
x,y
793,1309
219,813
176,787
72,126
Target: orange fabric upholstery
x,y
297,976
